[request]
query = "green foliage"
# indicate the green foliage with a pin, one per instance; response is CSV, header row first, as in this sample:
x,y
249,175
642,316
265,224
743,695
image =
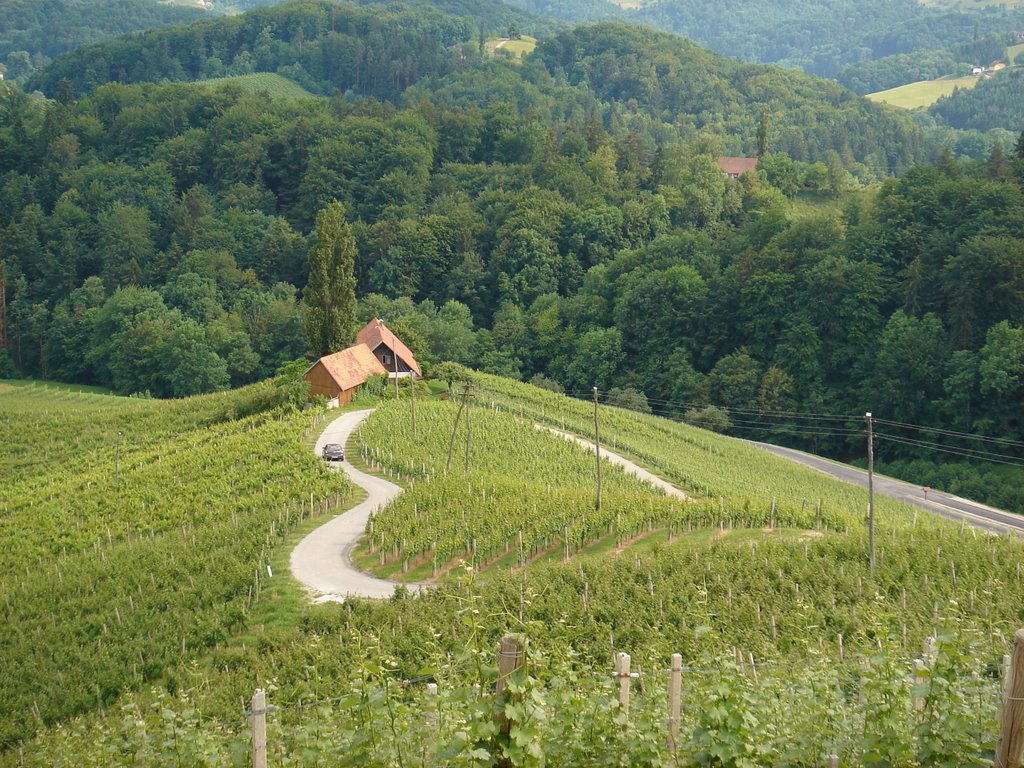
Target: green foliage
x,y
277,86
33,34
817,36
694,87
722,583
993,103
709,417
628,398
329,299
292,383
148,523
891,71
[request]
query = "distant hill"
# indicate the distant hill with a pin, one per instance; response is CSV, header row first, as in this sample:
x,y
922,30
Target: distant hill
x,y
698,90
901,69
819,36
997,102
374,49
380,51
33,33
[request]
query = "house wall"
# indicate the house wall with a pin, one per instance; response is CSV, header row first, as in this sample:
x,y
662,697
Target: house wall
x,y
346,395
382,352
321,383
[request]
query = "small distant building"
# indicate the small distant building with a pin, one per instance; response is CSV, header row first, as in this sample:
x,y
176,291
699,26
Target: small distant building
x,y
977,70
391,353
1019,35
995,66
734,167
339,375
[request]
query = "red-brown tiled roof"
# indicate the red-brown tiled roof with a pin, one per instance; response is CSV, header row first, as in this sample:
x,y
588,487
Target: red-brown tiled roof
x,y
351,367
737,165
375,333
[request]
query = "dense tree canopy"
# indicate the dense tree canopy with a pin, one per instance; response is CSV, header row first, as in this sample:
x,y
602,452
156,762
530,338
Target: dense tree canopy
x,y
563,218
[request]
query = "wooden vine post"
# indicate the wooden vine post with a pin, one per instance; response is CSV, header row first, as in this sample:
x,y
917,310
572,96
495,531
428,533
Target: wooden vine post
x,y
675,686
511,659
259,729
1011,716
622,665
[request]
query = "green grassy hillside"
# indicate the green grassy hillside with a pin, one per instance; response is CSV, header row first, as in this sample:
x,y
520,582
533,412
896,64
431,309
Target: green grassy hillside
x,y
518,47
922,94
277,86
133,536
747,569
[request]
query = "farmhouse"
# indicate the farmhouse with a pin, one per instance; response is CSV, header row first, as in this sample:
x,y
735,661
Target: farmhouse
x,y
337,376
734,167
393,355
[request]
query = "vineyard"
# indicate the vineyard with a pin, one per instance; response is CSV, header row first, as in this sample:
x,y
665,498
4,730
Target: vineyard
x,y
276,86
133,536
497,513
790,650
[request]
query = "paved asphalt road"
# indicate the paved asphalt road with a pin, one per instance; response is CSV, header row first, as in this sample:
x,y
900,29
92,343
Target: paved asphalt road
x,y
944,504
322,561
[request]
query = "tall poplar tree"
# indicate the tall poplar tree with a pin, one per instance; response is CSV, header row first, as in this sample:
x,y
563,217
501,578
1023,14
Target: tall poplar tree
x,y
330,295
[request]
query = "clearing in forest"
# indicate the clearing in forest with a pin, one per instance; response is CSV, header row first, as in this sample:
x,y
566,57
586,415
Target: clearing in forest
x,y
519,48
922,94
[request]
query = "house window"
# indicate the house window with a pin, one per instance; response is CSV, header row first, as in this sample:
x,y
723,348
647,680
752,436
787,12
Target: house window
x,y
387,359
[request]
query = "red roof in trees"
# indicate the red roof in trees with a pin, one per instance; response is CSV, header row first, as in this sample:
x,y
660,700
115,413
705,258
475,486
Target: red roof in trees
x,y
737,166
375,333
351,367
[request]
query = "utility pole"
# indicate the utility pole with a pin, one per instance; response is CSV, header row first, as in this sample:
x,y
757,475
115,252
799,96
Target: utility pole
x,y
467,429
412,397
871,492
394,355
455,426
597,450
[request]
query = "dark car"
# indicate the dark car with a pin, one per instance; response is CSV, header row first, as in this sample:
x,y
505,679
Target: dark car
x,y
334,452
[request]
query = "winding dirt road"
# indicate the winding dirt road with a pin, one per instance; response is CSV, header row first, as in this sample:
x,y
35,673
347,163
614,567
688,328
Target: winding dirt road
x,y
628,466
322,561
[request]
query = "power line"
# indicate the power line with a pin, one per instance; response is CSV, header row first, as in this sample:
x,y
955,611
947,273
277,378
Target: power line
x,y
742,419
734,409
677,404
952,433
966,453
800,429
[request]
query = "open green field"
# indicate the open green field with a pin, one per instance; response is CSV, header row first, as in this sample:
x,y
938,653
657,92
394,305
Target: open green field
x,y
519,48
1013,52
922,94
277,86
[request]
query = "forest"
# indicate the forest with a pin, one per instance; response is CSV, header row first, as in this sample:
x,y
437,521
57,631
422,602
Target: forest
x,y
902,68
818,37
34,33
994,103
564,218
